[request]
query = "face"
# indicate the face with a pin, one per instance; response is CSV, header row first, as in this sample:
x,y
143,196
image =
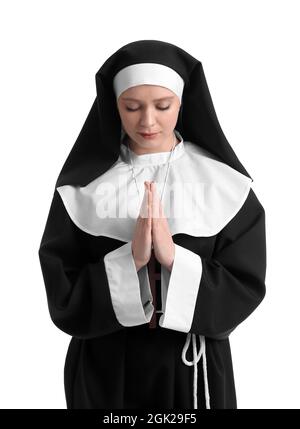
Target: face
x,y
149,109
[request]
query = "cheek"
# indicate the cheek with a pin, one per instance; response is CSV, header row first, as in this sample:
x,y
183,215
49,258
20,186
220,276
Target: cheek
x,y
170,117
128,119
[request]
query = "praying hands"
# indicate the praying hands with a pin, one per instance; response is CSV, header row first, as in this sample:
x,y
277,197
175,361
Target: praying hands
x,y
152,229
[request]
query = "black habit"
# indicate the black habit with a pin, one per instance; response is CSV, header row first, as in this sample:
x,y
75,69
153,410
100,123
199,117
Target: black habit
x,y
116,357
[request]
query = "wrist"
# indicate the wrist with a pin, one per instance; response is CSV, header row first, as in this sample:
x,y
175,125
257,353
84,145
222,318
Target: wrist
x,y
138,265
169,266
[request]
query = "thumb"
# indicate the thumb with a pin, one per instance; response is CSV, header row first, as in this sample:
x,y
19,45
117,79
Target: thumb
x,y
144,205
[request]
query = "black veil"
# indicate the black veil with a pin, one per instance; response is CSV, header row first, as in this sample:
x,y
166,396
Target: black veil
x,y
97,146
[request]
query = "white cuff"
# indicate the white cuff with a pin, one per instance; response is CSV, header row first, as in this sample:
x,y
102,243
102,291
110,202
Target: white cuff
x,y
180,289
130,290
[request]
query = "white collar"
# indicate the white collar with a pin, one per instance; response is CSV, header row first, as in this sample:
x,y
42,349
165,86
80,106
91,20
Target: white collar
x,y
155,158
221,193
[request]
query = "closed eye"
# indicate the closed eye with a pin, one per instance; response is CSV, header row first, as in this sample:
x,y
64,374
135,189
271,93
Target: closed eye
x,y
159,108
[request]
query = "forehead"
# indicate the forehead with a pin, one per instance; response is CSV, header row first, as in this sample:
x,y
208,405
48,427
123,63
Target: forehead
x,y
147,92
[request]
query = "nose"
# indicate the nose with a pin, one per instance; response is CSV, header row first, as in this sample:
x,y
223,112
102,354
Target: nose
x,y
147,119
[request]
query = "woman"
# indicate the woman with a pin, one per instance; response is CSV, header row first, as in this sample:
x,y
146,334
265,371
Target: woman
x,y
152,241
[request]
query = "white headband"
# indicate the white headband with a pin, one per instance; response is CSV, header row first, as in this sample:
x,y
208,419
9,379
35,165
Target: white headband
x,y
148,73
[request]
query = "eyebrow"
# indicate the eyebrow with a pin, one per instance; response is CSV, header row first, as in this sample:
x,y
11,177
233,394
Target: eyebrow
x,y
157,99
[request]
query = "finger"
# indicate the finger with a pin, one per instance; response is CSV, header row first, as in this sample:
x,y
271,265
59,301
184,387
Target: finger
x,y
161,213
144,205
155,201
158,204
150,197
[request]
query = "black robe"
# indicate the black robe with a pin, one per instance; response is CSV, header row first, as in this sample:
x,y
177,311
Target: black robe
x,y
109,365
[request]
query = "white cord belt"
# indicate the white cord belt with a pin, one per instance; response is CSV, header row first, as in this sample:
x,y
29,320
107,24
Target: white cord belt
x,y
196,358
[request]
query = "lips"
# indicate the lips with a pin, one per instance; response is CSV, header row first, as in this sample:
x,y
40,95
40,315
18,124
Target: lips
x,y
147,135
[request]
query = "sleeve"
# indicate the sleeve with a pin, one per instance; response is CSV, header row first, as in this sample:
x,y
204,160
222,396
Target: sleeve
x,y
212,296
90,298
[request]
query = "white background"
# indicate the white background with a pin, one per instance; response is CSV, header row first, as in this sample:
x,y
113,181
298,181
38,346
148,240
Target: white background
x,y
50,52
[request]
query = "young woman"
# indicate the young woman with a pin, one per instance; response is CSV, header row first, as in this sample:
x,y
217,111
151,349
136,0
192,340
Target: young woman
x,y
154,239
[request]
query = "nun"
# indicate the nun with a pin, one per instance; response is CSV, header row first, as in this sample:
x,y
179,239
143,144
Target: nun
x,y
154,248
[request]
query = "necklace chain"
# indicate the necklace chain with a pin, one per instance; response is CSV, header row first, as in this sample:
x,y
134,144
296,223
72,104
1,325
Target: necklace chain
x,y
133,173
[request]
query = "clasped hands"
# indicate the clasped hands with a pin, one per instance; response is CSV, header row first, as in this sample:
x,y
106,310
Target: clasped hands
x,y
152,228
